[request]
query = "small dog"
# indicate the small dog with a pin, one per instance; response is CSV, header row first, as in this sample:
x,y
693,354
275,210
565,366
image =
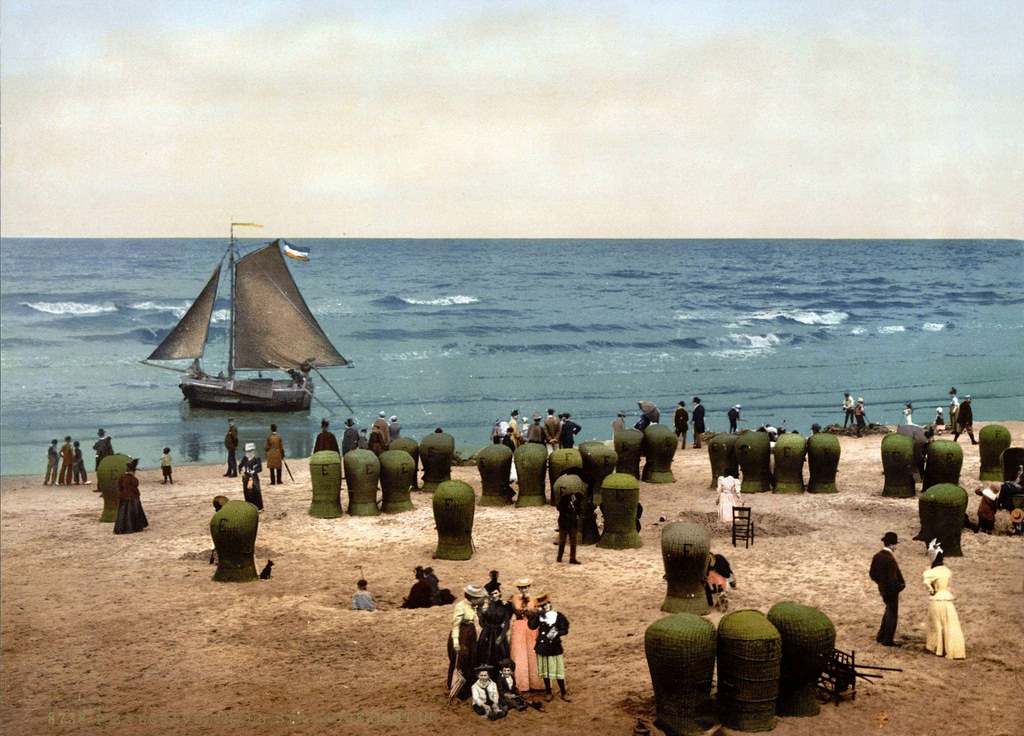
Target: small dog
x,y
265,572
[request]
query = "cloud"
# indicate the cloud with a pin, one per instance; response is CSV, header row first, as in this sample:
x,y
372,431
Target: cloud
x,y
523,124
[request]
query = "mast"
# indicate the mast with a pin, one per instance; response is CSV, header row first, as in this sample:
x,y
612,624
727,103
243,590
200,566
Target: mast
x,y
231,307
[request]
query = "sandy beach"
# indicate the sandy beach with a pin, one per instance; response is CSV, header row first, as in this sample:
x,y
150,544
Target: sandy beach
x,y
129,635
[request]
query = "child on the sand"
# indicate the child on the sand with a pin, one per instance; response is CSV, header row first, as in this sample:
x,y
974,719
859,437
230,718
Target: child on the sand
x,y
165,466
362,599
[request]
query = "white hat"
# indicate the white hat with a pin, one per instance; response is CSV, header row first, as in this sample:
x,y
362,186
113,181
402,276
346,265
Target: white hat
x,y
938,409
381,414
934,549
250,446
394,418
737,406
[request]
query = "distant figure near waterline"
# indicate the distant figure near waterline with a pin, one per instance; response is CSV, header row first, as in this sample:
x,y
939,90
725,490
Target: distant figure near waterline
x,y
681,420
102,447
251,466
954,409
231,445
859,416
848,406
67,462
394,428
326,439
535,433
362,599
52,464
908,413
274,450
734,418
380,435
78,471
552,431
568,431
165,466
697,416
350,439
618,423
965,421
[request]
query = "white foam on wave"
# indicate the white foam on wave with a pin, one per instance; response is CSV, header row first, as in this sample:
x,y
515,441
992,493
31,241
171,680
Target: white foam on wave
x,y
891,329
76,309
804,316
444,301
756,342
933,326
177,310
858,331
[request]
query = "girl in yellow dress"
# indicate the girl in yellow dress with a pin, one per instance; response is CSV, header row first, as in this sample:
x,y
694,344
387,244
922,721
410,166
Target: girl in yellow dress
x,y
945,638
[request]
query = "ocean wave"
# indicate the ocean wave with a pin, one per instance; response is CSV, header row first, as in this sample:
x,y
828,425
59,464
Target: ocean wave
x,y
444,301
757,342
858,331
178,310
75,309
804,317
933,326
891,329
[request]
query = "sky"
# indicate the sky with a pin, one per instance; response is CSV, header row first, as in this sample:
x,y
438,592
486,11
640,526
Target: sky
x,y
512,119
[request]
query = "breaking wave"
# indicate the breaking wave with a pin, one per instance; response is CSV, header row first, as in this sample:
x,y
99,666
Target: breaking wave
x,y
75,309
891,329
444,301
934,326
804,317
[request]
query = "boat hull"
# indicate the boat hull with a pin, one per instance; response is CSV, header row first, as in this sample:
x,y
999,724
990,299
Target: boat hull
x,y
264,395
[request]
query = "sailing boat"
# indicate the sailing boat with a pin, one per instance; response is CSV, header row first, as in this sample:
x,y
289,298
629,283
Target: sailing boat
x,y
270,328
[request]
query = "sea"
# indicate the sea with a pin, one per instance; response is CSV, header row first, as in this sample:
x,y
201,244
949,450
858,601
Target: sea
x,y
457,333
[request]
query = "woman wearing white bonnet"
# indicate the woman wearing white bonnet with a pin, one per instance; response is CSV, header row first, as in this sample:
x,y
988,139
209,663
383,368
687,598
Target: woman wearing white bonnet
x,y
945,637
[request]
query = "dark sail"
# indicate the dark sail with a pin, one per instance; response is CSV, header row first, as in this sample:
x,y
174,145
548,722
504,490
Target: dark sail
x,y
188,337
273,326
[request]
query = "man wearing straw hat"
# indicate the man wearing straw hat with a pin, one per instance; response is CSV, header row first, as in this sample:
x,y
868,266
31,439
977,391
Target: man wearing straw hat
x,y
462,643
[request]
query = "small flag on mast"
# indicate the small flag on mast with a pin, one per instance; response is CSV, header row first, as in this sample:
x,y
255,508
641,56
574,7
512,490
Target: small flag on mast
x,y
298,255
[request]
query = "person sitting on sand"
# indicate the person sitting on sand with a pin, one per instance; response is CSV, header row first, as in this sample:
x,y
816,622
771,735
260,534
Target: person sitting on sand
x,y
362,599
130,516
486,701
939,425
987,508
420,594
1007,489
507,689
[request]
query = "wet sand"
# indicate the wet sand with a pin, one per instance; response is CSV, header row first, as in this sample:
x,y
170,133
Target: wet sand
x,y
129,635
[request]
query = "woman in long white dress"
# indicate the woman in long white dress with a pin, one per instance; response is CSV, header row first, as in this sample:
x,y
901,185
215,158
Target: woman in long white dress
x,y
728,497
945,637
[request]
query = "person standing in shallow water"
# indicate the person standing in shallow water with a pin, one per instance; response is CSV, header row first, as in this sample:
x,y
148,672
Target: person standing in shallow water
x,y
231,445
274,450
681,420
698,421
885,572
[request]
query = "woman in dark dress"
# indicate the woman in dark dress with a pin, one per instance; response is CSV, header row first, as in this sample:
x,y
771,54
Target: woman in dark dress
x,y
492,644
250,468
130,516
462,640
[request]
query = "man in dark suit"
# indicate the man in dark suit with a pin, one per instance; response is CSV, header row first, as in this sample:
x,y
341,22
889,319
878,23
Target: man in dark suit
x,y
885,572
326,439
697,417
568,430
349,440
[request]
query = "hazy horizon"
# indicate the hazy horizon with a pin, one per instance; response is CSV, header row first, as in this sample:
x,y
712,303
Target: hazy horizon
x,y
520,120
